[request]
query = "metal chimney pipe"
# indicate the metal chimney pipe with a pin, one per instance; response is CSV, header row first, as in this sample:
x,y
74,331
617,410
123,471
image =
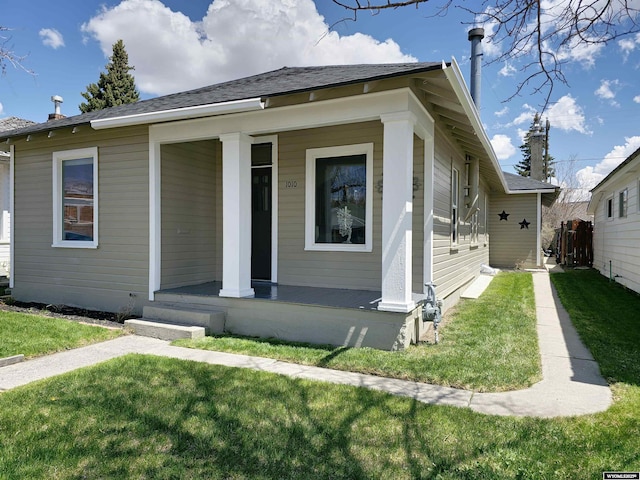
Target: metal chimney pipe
x,y
475,37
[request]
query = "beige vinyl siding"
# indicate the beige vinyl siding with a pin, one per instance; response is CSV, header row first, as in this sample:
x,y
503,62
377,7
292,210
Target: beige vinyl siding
x,y
115,275
616,240
511,245
418,215
190,174
355,270
454,266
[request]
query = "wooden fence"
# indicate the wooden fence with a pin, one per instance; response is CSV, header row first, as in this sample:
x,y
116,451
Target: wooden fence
x,y
574,243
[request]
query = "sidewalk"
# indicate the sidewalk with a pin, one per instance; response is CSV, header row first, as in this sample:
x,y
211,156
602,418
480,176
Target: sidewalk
x,y
571,385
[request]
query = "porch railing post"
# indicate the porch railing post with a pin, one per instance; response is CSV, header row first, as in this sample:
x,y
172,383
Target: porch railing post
x,y
236,215
397,212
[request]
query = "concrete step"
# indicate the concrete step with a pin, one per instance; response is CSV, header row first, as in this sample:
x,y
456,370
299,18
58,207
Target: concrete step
x,y
211,320
164,331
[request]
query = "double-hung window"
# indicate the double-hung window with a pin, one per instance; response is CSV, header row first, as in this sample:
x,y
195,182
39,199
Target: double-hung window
x,y
622,203
455,193
339,203
75,198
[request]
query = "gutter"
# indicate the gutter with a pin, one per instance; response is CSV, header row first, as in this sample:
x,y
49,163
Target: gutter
x,y
235,106
456,79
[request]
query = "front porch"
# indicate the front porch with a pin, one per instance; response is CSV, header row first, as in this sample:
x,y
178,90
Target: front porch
x,y
342,317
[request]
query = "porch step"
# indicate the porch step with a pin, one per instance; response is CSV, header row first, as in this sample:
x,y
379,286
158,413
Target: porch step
x,y
164,331
211,320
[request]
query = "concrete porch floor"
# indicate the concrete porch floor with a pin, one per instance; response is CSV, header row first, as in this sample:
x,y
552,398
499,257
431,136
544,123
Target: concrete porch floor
x,y
325,297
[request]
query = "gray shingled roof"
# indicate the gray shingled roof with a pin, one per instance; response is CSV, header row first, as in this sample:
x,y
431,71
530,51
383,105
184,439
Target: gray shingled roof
x,y
278,82
12,123
518,182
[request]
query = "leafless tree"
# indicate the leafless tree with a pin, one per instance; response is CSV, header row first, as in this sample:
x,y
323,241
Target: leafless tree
x,y
571,203
541,36
7,55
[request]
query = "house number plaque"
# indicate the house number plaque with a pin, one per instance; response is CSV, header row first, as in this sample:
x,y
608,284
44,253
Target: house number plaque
x,y
290,184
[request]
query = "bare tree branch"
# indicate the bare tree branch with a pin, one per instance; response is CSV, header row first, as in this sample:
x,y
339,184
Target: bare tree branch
x,y
8,56
543,40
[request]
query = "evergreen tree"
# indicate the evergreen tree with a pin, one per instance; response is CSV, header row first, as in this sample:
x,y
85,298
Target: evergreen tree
x,y
115,87
523,167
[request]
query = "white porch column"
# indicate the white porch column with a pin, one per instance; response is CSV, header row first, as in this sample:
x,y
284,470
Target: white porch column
x,y
397,211
236,215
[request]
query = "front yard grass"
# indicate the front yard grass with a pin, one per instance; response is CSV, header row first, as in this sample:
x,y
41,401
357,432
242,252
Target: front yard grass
x,y
488,344
34,335
150,417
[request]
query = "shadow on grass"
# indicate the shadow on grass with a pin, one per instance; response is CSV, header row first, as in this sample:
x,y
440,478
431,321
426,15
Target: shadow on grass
x,y
148,417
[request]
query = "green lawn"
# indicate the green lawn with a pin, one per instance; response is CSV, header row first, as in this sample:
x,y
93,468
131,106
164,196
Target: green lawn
x,y
489,344
149,417
34,335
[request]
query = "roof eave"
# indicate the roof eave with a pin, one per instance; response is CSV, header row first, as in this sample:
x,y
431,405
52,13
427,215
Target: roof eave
x,y
456,79
213,109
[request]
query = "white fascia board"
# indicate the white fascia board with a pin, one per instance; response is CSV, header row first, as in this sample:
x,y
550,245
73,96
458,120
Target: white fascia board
x,y
338,111
540,190
594,201
198,111
456,79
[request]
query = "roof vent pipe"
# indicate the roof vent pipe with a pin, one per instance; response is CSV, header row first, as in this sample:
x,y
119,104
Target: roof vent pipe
x,y
475,37
57,100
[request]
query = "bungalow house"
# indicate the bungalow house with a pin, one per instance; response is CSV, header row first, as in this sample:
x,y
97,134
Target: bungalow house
x,y
615,205
309,204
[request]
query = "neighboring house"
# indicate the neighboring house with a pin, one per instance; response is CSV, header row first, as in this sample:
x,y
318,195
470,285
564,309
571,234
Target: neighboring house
x,y
340,190
615,205
6,124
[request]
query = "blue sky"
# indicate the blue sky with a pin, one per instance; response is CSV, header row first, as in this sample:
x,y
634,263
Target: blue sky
x,y
176,45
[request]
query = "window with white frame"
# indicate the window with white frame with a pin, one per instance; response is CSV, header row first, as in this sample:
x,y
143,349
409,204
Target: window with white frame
x,y
622,203
75,198
455,193
610,207
339,203
485,219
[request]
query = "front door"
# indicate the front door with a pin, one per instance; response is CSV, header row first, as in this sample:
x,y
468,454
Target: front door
x,y
261,223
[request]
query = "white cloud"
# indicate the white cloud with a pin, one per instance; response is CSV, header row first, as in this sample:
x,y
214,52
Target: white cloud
x,y
606,91
580,51
567,115
636,99
502,113
172,53
526,117
507,71
1,109
589,177
51,38
628,45
502,146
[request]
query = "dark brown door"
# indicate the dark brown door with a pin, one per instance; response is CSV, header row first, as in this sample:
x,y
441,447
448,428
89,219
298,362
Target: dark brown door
x,y
261,223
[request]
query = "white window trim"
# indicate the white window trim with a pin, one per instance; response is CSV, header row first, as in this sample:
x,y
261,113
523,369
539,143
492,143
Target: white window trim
x,y
58,159
310,197
623,205
606,208
455,203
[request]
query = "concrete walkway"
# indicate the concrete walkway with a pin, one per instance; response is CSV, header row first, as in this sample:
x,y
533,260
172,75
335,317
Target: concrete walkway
x,y
572,384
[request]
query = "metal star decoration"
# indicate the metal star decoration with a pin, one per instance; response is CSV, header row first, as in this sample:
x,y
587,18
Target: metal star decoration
x,y
524,224
503,216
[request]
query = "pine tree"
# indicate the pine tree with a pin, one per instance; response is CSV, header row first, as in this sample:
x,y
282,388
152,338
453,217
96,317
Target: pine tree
x,y
523,167
115,87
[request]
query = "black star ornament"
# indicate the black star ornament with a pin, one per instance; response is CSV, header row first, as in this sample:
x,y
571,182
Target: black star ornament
x,y
503,216
524,224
